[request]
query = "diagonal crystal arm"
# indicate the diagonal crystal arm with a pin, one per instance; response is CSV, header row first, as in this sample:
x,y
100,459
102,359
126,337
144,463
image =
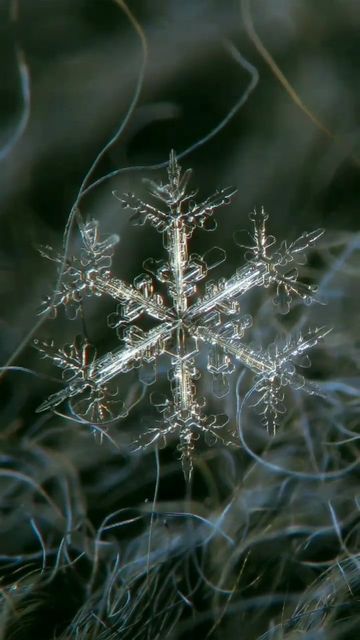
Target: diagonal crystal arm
x,y
110,365
203,210
244,279
113,287
123,292
260,362
257,361
304,342
142,210
105,368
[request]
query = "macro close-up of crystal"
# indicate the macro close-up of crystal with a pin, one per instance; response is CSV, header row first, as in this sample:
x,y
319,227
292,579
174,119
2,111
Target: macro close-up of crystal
x,y
185,322
179,327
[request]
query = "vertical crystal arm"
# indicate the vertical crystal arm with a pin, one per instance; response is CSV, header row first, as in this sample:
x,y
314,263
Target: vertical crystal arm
x,y
182,390
176,245
185,407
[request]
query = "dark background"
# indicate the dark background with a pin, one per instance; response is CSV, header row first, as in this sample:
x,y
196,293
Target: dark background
x,y
84,58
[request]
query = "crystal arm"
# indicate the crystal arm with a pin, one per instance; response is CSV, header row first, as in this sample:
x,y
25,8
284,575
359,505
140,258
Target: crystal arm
x,y
203,210
86,372
279,361
257,361
176,245
142,211
185,410
243,280
119,290
124,359
86,280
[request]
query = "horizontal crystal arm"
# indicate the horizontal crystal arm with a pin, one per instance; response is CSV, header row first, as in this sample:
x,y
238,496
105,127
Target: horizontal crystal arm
x,y
243,280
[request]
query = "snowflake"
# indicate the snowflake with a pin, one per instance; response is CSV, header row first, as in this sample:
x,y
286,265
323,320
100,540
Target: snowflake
x,y
184,319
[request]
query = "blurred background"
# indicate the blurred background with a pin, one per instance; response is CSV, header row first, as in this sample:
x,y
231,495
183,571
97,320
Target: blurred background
x,y
69,70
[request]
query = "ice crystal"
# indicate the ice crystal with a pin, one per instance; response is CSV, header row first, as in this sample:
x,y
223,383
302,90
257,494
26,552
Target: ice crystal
x,y
185,320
